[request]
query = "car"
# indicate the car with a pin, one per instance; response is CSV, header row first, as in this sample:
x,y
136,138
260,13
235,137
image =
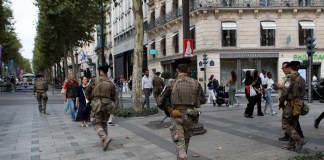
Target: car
x,y
25,84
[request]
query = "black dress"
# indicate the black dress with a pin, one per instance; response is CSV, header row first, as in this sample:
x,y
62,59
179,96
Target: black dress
x,y
83,109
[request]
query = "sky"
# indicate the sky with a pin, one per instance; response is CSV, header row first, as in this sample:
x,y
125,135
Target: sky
x,y
25,17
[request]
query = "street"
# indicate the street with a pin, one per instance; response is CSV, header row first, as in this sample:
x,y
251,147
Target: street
x,y
25,134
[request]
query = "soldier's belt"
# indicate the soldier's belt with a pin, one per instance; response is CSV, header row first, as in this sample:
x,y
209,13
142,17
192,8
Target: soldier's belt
x,y
178,113
40,91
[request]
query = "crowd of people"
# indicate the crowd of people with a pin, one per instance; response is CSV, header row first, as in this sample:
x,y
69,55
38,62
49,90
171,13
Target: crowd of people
x,y
99,97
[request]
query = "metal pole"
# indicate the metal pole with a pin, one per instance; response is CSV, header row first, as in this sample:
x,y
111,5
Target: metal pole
x,y
102,34
205,76
185,20
309,72
0,61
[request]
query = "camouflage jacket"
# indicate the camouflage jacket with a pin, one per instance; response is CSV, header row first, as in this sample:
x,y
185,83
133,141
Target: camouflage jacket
x,y
40,86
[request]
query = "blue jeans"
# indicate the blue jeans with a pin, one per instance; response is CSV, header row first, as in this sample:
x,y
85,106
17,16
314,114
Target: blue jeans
x,y
269,101
71,103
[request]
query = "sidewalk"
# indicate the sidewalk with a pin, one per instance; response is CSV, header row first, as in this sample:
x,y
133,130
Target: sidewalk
x,y
25,134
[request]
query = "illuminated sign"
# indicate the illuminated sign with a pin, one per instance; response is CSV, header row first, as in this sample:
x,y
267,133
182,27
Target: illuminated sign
x,y
305,57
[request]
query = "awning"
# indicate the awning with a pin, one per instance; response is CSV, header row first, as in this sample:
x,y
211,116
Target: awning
x,y
229,26
173,35
151,42
307,25
157,41
191,28
268,25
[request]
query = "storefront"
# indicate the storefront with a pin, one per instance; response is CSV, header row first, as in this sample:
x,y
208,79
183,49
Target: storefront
x,y
242,62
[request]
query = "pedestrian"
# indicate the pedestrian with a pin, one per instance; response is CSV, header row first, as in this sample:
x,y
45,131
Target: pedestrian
x,y
286,70
40,89
184,94
130,85
318,120
258,87
102,95
231,82
147,88
13,83
252,99
158,85
82,104
71,87
291,100
119,83
268,91
211,89
263,74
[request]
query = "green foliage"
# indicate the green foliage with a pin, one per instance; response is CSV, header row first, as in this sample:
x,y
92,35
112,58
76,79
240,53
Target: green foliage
x,y
130,112
61,25
317,156
8,38
166,75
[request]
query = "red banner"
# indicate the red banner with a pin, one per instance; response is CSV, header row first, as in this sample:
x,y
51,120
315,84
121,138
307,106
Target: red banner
x,y
188,48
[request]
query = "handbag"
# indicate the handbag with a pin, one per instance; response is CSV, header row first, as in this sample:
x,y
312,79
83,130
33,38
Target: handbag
x,y
66,107
252,91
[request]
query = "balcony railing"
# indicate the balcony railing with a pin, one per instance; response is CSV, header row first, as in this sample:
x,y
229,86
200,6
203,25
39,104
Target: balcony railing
x,y
222,4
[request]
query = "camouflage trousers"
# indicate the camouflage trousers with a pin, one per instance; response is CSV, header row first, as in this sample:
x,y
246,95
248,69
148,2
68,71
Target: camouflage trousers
x,y
100,124
42,101
181,132
289,124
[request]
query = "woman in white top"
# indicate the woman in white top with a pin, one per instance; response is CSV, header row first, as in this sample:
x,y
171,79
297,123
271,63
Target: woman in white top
x,y
269,102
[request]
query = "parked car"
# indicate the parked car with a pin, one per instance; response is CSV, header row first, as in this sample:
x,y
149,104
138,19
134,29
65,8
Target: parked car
x,y
25,84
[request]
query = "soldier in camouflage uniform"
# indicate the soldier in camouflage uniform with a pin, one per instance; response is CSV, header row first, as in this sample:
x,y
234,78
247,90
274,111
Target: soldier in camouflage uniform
x,y
102,94
181,97
158,85
291,100
40,88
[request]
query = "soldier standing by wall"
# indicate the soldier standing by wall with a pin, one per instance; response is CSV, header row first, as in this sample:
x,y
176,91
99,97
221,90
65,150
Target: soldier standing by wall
x,y
103,97
185,94
293,93
158,85
40,89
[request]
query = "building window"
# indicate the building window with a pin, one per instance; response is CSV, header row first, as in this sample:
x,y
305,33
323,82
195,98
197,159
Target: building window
x,y
175,42
162,10
193,36
305,30
268,33
228,3
152,16
175,4
266,3
229,34
305,2
163,47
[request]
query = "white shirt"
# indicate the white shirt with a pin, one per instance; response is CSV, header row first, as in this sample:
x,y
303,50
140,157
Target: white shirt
x,y
269,83
314,78
262,79
146,82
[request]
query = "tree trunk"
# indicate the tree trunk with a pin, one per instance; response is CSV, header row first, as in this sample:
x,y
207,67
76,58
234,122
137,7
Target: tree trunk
x,y
66,70
73,63
138,55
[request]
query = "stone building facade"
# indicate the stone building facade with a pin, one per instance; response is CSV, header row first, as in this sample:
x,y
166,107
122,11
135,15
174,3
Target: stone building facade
x,y
237,35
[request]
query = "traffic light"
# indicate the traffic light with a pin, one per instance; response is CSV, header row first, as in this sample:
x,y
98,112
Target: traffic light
x,y
310,46
205,58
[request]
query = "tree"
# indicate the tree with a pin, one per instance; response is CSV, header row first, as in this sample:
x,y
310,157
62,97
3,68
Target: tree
x,y
138,55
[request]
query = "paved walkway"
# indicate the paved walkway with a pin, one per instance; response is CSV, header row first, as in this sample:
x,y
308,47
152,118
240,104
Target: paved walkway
x,y
25,134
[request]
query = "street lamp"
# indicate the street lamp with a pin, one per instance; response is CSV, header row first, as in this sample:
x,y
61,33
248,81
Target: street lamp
x,y
102,35
77,63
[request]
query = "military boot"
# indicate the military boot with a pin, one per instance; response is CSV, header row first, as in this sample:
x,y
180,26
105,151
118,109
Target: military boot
x,y
300,144
105,144
290,146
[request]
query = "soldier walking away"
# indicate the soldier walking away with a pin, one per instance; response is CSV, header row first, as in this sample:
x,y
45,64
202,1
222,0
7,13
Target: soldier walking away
x,y
318,120
103,98
181,97
293,93
158,85
40,89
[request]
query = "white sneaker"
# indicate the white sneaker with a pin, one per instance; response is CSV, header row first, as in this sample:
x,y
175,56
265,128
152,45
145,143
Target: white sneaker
x,y
237,104
266,112
273,112
230,106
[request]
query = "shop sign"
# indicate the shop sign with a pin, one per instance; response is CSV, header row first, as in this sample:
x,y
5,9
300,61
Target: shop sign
x,y
305,57
188,47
